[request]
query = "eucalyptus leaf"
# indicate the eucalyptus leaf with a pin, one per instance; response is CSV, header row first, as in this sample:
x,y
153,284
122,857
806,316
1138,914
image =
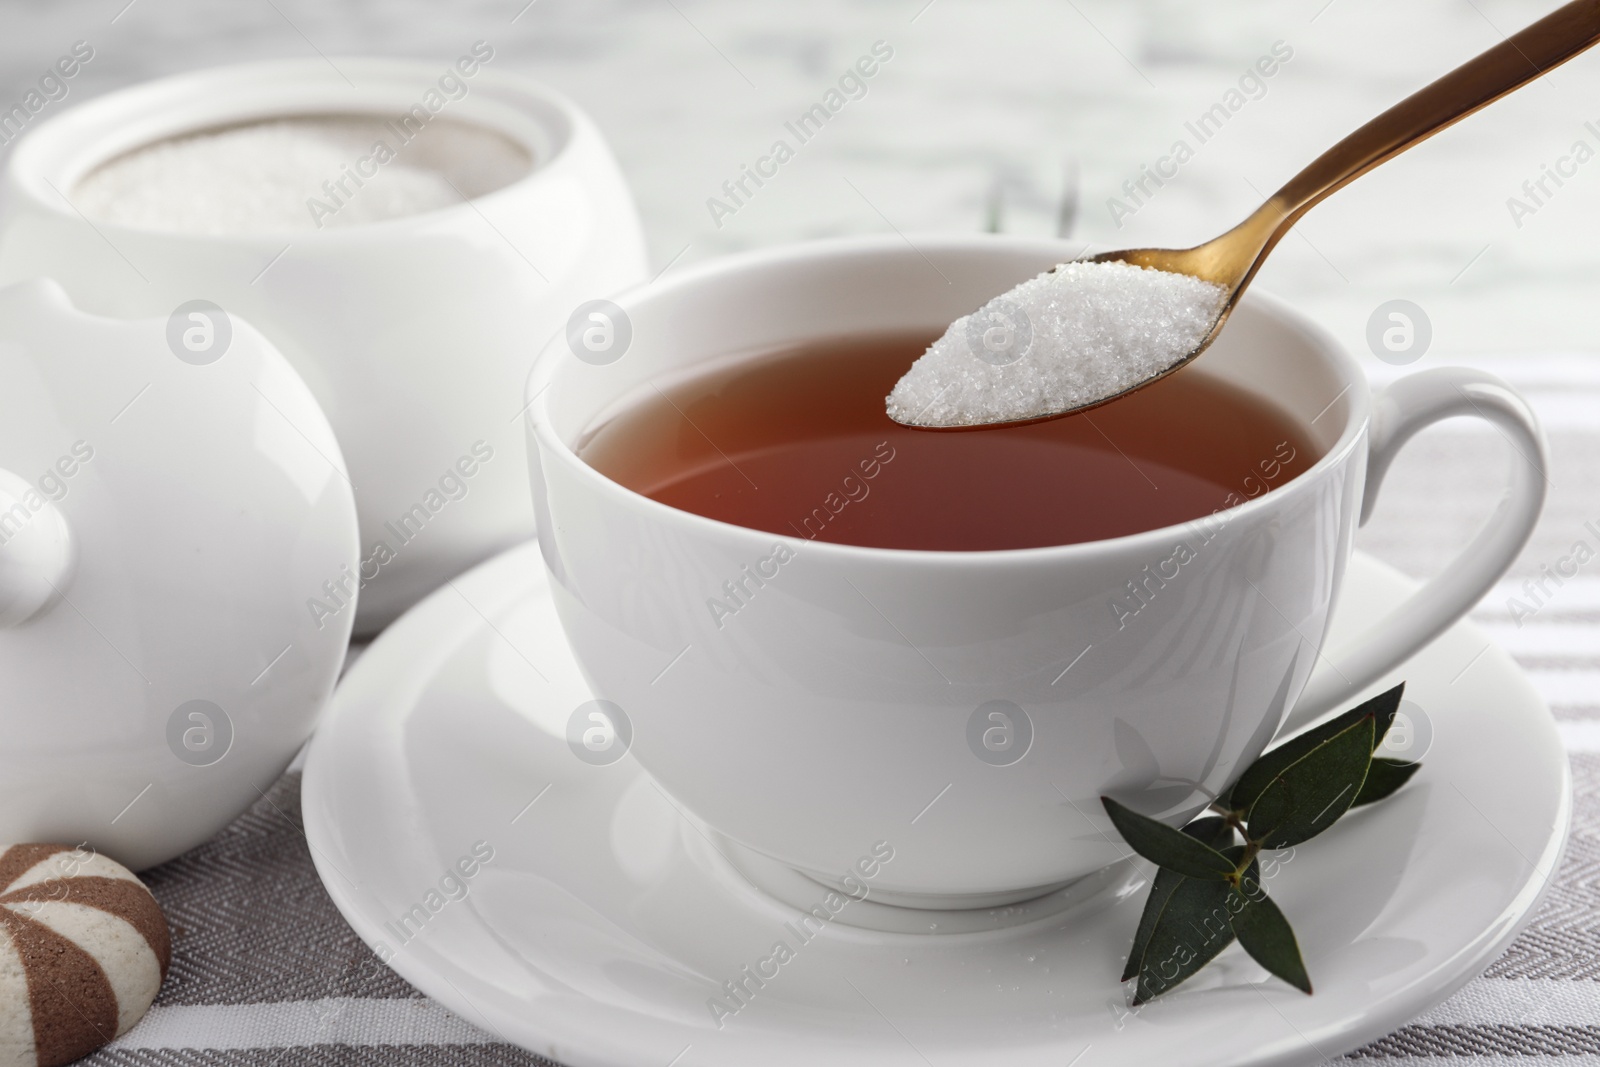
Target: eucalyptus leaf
x,y
1192,927
1263,932
1199,903
1162,887
1312,793
1166,847
1384,778
1212,830
1261,773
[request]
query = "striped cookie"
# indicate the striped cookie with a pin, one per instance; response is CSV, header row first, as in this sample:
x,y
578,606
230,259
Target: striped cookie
x,y
83,950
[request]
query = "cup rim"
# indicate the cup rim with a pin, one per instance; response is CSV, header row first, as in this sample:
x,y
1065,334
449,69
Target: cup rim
x,y
542,383
53,152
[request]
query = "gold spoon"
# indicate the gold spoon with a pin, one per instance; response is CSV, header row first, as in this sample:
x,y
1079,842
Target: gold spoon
x,y
1231,261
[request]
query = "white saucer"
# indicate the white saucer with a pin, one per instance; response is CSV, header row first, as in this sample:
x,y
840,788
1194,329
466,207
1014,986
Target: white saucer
x,y
605,920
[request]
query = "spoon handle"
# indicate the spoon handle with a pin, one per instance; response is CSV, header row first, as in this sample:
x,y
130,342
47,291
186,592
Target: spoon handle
x,y
1479,82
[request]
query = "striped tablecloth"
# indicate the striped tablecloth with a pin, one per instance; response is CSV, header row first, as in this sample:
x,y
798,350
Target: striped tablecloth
x,y
266,974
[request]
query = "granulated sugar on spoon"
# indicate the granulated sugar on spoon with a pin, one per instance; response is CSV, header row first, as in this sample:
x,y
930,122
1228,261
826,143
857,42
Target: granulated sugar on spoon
x,y
1068,339
1092,330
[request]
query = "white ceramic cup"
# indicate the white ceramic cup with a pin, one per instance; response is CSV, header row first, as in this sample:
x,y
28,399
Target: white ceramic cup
x,y
835,710
415,334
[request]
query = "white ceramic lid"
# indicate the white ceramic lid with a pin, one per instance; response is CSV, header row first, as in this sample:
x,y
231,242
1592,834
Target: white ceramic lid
x,y
171,502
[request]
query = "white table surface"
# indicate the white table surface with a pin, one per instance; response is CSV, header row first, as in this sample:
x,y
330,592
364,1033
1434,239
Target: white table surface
x,y
690,89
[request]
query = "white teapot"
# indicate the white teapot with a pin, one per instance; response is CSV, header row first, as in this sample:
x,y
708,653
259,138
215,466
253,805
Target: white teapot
x,y
177,540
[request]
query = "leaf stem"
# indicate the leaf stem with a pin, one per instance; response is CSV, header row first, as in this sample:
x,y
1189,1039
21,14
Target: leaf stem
x,y
1252,849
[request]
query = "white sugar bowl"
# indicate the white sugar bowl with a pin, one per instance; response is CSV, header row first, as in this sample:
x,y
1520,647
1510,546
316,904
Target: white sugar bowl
x,y
166,513
414,332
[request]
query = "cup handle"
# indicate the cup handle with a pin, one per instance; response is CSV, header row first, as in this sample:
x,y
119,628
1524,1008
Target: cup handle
x,y
1399,412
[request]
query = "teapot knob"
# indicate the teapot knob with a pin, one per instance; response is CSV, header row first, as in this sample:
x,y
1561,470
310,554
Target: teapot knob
x,y
37,552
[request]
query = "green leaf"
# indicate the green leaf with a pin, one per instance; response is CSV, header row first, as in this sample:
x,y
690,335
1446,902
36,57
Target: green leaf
x,y
1166,847
1311,794
1212,830
1261,773
1161,890
1384,778
1383,709
1265,933
1190,930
